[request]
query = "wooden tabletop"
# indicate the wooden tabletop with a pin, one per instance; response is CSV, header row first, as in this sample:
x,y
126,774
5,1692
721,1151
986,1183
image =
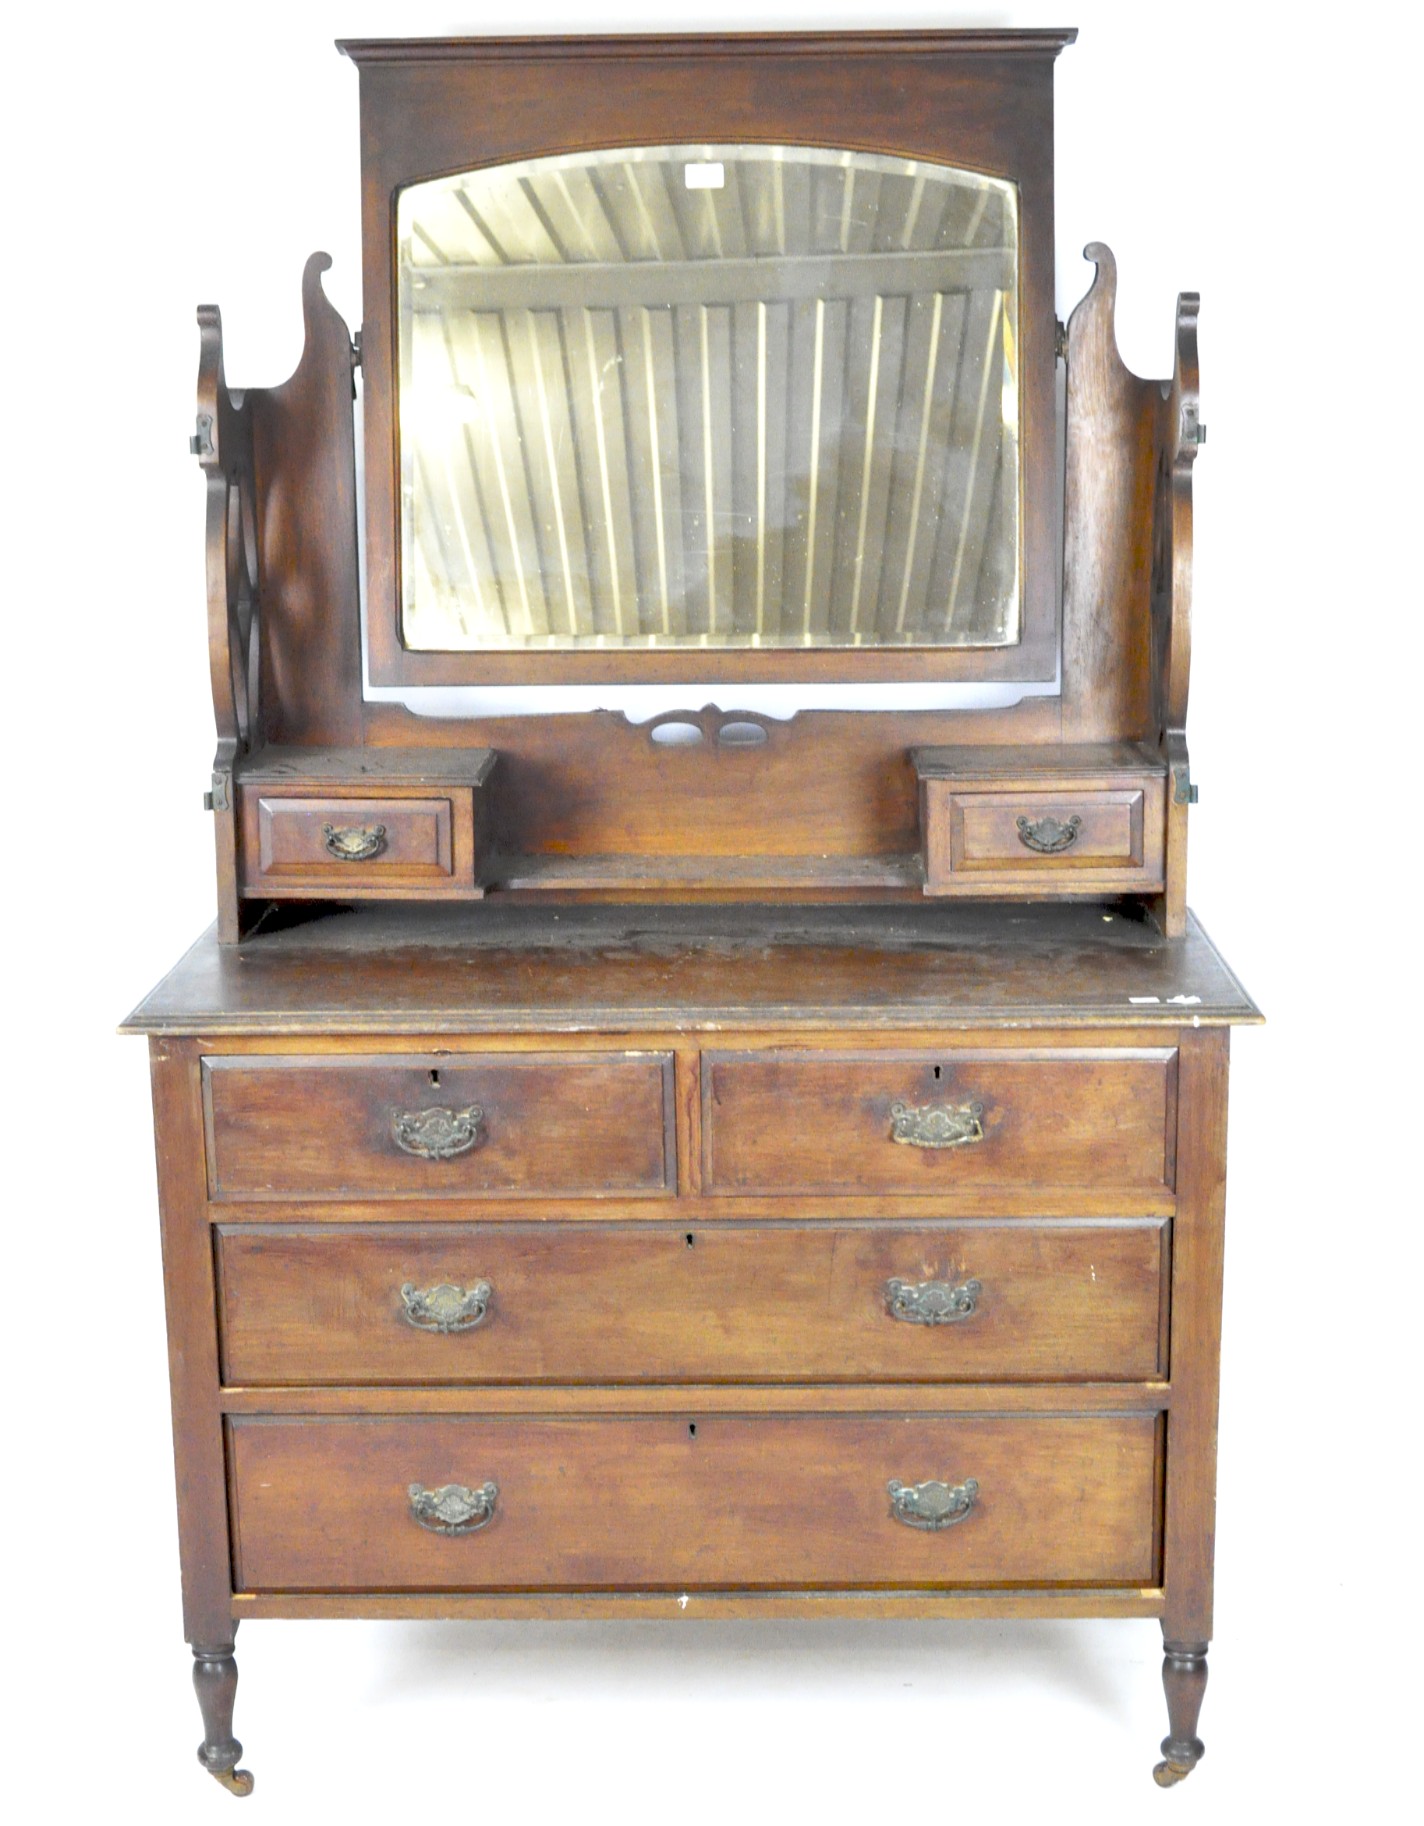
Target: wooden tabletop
x,y
577,968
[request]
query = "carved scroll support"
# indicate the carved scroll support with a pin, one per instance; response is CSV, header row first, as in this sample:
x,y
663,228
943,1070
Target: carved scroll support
x,y
222,443
1127,558
1182,435
283,610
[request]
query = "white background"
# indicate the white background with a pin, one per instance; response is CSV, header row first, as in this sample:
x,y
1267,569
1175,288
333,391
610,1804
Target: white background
x,y
159,155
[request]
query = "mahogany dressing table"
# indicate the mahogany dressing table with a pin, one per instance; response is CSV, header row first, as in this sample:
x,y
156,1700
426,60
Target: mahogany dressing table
x,y
699,1161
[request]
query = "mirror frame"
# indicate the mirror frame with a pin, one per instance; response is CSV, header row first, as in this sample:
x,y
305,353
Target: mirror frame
x,y
982,101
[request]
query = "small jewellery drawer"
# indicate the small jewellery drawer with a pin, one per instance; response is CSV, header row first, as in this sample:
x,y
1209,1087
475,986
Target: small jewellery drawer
x,y
354,1304
335,838
929,1123
1087,835
701,1500
362,823
1046,831
467,1125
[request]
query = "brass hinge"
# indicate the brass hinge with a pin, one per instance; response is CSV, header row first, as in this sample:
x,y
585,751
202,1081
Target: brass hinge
x,y
1184,791
1060,339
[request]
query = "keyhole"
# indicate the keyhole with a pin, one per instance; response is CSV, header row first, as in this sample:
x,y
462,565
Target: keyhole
x,y
435,1079
937,1074
692,1429
690,1239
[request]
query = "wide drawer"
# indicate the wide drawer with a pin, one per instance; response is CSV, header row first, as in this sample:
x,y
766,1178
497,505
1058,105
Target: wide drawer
x,y
476,1125
706,1501
339,1304
931,1122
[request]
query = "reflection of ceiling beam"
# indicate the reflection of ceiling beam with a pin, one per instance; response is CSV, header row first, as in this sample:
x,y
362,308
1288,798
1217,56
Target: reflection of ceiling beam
x,y
666,282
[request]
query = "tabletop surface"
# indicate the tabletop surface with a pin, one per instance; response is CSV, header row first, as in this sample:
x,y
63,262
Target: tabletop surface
x,y
574,968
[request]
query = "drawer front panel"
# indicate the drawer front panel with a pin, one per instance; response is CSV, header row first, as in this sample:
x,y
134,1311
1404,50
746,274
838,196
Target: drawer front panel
x,y
930,1122
1078,838
568,1303
486,1125
346,843
709,1501
1091,830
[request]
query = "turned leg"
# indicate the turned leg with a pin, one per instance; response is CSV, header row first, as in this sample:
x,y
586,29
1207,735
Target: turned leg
x,y
1184,1677
215,1682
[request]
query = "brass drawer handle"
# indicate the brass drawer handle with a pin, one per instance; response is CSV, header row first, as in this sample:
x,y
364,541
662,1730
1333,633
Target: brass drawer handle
x,y
437,1134
932,1302
932,1506
942,1125
353,842
1049,836
453,1508
446,1308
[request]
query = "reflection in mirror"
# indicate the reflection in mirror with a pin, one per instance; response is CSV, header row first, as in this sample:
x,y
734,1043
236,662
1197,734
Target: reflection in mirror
x,y
713,396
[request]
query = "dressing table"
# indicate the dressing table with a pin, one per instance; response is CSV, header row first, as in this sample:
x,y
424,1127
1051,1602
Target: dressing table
x,y
627,1149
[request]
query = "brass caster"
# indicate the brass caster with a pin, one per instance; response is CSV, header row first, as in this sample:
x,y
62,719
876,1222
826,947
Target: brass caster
x,y
1167,1775
236,1781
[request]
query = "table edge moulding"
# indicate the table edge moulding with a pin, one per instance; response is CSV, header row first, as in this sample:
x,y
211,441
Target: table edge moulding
x,y
566,1113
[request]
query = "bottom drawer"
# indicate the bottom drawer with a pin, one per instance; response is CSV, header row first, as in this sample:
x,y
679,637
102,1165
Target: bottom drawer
x,y
705,1500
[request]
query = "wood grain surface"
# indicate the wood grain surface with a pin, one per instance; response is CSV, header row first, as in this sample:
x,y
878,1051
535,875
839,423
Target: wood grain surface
x,y
823,1122
591,1124
503,968
700,1500
653,1303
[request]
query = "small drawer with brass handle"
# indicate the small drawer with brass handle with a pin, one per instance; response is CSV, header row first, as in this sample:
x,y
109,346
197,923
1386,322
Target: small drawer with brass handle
x,y
349,843
843,1124
932,1506
1070,836
362,823
685,1501
453,1508
442,1125
445,1307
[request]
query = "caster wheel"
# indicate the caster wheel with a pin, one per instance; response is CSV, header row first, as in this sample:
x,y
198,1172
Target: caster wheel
x,y
236,1781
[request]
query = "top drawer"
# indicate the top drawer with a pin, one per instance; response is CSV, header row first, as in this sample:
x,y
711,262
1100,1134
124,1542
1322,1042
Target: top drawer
x,y
362,823
1052,822
472,1126
930,1123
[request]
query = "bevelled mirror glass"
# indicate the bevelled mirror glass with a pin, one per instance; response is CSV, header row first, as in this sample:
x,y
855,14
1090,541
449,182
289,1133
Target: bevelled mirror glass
x,y
709,397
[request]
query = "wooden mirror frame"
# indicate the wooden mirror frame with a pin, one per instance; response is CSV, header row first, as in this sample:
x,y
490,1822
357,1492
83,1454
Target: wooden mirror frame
x,y
981,101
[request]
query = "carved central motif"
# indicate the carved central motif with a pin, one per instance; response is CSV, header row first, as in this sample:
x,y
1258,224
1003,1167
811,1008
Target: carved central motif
x,y
437,1134
932,1505
932,1302
354,842
453,1508
1049,836
937,1125
446,1308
